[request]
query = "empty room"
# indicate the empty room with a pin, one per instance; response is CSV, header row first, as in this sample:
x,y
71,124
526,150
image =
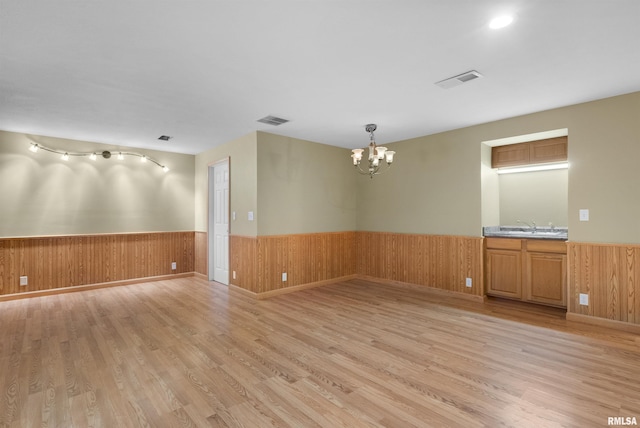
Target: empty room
x,y
286,213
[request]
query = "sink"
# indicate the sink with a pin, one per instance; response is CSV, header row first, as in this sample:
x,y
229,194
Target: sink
x,y
531,232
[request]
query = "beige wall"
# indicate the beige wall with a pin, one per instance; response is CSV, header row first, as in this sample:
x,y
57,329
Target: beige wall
x,y
43,195
490,188
539,197
242,154
604,176
433,187
436,188
304,187
292,186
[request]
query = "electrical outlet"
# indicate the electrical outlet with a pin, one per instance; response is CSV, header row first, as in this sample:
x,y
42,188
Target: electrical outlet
x,y
233,215
469,282
284,276
234,274
174,266
584,299
584,215
24,280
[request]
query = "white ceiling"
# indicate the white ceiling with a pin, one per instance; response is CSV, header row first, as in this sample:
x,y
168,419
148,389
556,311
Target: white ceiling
x,y
125,72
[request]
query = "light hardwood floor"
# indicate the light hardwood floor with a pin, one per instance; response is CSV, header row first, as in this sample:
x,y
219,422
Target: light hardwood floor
x,y
188,353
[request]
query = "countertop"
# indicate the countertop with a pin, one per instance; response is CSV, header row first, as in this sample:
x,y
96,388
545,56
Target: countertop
x,y
557,233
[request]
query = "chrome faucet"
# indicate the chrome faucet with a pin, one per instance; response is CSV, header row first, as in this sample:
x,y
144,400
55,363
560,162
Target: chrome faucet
x,y
531,226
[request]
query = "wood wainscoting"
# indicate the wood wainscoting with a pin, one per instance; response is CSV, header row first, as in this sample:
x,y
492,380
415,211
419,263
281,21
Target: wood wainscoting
x,y
311,258
441,262
201,262
66,261
610,275
243,259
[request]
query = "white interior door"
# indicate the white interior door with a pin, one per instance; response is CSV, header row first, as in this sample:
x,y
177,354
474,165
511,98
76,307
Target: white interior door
x,y
219,222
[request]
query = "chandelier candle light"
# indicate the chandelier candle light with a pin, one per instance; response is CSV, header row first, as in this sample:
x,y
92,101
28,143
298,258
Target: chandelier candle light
x,y
377,155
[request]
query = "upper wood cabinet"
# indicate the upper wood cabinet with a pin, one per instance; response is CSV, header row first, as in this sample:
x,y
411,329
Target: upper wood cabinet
x,y
533,152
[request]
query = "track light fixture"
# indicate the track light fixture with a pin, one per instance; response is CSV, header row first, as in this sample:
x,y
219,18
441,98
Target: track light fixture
x,y
94,155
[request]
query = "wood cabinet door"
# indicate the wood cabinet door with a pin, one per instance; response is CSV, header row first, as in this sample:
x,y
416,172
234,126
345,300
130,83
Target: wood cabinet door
x,y
504,273
550,150
510,155
546,279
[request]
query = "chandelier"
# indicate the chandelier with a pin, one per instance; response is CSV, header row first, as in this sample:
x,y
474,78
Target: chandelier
x,y
377,155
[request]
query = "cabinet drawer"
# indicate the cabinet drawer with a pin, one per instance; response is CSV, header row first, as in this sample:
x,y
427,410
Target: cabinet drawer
x,y
546,246
503,243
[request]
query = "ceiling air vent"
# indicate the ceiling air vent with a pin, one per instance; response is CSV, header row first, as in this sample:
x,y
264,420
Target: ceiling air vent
x,y
459,80
273,120
164,138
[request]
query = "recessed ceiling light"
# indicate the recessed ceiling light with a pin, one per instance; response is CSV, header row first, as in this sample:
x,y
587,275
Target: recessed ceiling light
x,y
500,22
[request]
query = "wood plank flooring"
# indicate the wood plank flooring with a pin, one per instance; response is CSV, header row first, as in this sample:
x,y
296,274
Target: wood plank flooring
x,y
187,353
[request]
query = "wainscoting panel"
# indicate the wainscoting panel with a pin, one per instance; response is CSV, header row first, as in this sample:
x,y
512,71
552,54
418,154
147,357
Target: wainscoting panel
x,y
201,253
306,258
67,261
260,261
442,262
610,275
243,260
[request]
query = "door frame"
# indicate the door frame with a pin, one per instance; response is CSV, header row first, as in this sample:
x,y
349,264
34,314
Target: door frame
x,y
210,200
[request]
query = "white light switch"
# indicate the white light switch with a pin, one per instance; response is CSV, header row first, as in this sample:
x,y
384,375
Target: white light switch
x,y
233,215
284,276
174,266
584,215
469,282
584,299
250,216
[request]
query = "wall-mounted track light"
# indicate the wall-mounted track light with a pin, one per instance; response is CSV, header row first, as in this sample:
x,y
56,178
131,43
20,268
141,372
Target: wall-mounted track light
x,y
94,155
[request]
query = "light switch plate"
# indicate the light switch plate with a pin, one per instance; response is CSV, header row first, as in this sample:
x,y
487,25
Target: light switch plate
x,y
584,299
250,215
284,276
469,282
174,266
233,215
24,280
584,215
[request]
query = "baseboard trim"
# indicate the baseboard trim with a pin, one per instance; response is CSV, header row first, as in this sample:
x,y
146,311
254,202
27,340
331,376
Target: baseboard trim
x,y
243,291
292,289
75,288
201,276
604,322
438,291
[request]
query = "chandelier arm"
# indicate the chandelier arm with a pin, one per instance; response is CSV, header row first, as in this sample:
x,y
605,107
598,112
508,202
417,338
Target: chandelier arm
x,y
376,171
361,171
383,170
